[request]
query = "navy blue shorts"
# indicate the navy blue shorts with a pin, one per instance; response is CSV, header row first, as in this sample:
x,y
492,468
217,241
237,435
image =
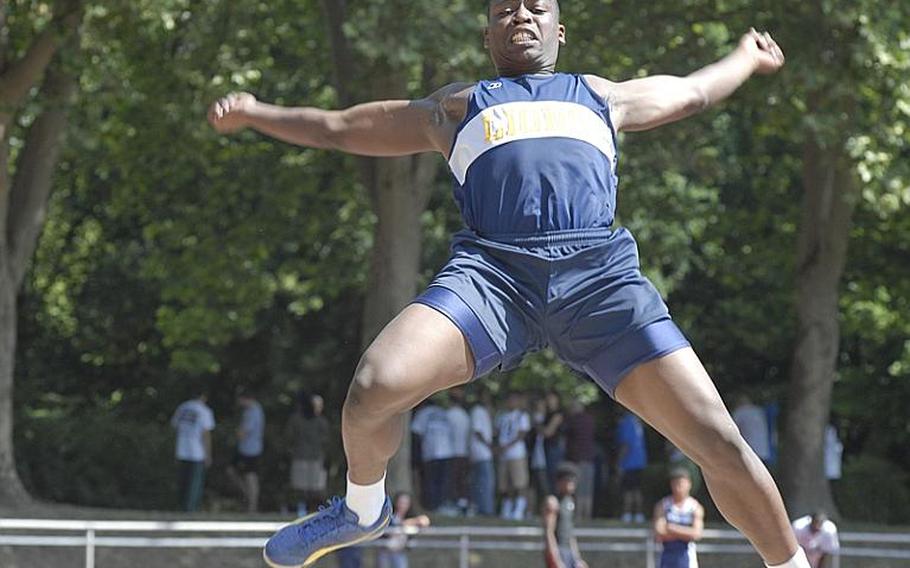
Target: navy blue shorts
x,y
580,293
678,554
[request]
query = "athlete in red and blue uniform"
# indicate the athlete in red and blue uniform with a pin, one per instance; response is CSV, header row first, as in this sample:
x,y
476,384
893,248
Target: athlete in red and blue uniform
x,y
539,264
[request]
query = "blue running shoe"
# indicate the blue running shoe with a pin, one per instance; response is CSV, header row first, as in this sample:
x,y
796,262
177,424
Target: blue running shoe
x,y
334,526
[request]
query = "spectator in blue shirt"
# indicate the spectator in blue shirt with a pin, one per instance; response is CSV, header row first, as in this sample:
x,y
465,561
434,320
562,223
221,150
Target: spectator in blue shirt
x,y
633,459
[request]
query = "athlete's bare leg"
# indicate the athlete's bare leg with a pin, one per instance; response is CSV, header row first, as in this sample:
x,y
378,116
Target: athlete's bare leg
x,y
418,353
675,395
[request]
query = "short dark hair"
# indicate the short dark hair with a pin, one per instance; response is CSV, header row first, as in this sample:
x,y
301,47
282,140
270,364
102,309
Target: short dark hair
x,y
245,391
678,472
488,3
566,470
305,404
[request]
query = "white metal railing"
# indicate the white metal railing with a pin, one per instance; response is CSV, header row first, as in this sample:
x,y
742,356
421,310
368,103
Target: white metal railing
x,y
96,534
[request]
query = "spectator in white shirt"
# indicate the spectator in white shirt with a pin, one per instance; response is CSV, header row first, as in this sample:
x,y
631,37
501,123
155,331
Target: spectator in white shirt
x,y
818,537
834,454
431,425
483,474
460,422
194,421
512,427
753,425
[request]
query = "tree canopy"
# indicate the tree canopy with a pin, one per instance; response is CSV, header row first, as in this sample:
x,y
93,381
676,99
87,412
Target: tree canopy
x,y
172,256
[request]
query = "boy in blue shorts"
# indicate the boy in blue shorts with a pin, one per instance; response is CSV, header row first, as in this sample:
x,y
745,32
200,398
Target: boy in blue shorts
x,y
539,264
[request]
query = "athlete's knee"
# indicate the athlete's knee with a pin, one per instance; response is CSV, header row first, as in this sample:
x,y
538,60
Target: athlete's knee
x,y
379,386
723,450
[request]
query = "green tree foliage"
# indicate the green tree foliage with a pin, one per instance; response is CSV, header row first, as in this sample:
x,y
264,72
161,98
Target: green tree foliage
x,y
173,255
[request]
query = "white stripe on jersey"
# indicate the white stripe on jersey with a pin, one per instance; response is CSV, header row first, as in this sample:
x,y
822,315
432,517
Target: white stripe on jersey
x,y
693,558
509,122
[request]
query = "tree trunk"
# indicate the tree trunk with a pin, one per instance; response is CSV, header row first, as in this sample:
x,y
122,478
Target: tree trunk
x,y
23,205
831,191
12,492
400,193
35,167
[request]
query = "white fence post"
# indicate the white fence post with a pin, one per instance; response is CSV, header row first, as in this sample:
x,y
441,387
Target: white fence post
x,y
464,551
90,548
649,551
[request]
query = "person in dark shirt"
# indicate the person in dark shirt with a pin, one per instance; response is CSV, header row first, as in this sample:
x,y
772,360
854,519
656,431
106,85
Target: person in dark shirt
x,y
307,434
554,437
581,450
560,544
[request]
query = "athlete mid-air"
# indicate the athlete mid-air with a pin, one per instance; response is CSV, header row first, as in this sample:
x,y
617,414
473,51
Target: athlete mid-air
x,y
533,153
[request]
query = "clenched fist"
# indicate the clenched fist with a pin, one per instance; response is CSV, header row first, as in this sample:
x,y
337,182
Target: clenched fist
x,y
767,55
230,113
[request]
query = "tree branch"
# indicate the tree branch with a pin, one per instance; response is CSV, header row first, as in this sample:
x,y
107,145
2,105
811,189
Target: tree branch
x,y
32,184
335,14
343,64
4,36
21,76
4,199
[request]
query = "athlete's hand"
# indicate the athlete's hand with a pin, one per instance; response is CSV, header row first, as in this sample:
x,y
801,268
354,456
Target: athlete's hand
x,y
763,50
230,113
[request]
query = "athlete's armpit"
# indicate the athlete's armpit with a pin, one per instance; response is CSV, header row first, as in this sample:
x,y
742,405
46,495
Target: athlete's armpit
x,y
642,104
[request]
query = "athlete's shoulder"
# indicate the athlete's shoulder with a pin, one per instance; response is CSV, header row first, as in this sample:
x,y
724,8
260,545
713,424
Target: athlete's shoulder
x,y
602,87
451,102
454,90
551,503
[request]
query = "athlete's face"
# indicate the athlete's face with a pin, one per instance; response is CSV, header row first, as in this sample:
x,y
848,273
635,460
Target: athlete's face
x,y
524,36
680,486
567,486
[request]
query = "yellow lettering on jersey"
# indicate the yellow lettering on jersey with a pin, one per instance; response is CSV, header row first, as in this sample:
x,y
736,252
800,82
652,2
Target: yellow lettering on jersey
x,y
508,122
502,123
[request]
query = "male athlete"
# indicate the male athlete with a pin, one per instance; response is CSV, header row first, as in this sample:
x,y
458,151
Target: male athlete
x,y
678,522
558,515
534,157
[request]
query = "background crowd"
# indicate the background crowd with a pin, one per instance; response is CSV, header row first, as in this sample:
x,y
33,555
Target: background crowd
x,y
488,455
473,453
518,455
305,436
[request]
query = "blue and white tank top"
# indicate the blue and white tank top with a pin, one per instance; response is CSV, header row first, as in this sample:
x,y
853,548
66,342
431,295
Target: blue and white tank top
x,y
679,553
535,154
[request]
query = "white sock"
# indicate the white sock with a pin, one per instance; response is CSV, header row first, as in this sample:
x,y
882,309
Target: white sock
x,y
508,508
521,504
366,501
799,560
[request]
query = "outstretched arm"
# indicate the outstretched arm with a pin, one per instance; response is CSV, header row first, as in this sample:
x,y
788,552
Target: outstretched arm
x,y
642,104
383,128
